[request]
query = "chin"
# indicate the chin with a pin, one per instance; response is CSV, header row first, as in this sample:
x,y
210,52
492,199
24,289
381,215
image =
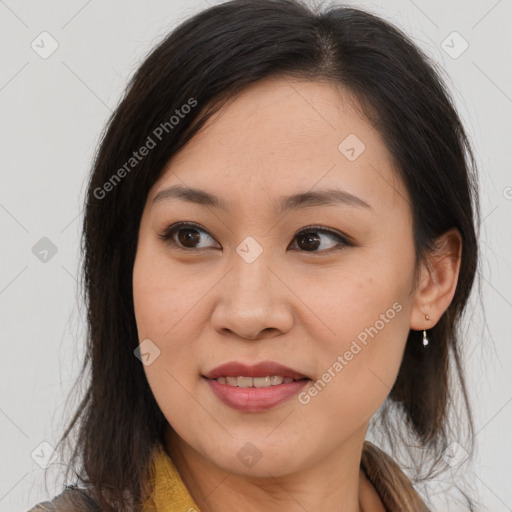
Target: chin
x,y
258,459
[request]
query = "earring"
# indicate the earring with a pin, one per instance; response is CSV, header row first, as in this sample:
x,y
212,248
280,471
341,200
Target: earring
x,y
425,339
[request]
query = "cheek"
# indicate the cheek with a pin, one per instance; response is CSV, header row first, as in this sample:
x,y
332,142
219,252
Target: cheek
x,y
364,302
358,369
162,295
367,311
160,310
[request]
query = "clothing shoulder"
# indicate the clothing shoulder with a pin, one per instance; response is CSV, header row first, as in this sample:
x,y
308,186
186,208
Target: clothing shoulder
x,y
390,482
72,499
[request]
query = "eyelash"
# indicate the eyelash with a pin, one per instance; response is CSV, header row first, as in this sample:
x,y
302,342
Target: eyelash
x,y
168,237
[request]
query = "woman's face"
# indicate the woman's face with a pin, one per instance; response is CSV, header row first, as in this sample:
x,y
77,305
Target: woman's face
x,y
321,284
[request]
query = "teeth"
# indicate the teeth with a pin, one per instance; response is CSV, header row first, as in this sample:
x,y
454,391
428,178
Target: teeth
x,y
261,382
244,382
256,382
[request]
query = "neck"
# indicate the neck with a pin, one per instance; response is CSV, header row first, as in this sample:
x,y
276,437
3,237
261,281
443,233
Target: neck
x,y
335,482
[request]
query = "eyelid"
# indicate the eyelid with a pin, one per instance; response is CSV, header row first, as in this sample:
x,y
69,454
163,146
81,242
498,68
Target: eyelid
x,y
323,229
177,225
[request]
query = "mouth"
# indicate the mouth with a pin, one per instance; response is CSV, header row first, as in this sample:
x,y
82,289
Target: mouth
x,y
256,387
256,382
264,369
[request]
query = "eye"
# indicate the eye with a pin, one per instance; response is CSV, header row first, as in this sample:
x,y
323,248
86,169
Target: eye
x,y
310,239
184,236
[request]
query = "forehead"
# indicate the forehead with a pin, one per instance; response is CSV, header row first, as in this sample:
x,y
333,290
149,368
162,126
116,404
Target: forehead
x,y
286,135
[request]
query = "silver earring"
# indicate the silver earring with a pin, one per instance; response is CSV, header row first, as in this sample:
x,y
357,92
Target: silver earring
x,y
425,339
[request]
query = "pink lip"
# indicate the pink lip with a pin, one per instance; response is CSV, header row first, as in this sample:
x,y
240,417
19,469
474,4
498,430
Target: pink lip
x,y
254,399
234,369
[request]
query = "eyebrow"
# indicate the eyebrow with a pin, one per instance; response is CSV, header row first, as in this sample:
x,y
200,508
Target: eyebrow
x,y
309,199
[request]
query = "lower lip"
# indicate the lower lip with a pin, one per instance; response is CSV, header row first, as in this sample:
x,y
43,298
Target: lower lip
x,y
255,399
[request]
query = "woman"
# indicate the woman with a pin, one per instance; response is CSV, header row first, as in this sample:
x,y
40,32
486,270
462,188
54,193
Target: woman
x,y
279,242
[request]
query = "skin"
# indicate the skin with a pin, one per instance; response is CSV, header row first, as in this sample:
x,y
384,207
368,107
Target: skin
x,y
299,304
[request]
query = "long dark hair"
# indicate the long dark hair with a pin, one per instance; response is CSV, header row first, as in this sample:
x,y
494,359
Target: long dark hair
x,y
201,64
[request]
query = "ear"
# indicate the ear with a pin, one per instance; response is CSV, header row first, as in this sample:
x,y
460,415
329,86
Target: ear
x,y
437,281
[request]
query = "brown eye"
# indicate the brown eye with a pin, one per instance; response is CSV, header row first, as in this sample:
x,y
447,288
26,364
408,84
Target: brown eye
x,y
311,239
185,236
188,237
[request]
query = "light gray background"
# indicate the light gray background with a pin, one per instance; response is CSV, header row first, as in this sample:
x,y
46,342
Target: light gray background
x,y
52,113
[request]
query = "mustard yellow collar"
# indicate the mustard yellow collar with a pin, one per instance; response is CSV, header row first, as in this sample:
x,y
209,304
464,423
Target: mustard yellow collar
x,y
169,491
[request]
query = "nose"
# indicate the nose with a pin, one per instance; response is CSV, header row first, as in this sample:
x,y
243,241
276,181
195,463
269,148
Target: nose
x,y
253,301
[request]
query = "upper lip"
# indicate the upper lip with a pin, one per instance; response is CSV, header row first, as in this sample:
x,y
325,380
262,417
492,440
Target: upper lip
x,y
262,369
